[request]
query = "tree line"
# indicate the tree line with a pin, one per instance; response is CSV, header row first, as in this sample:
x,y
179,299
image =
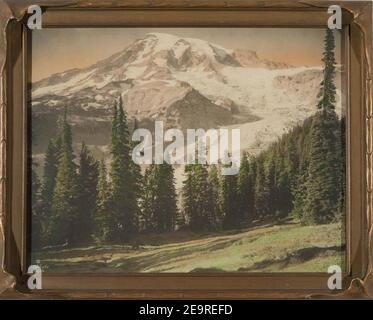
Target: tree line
x,y
81,200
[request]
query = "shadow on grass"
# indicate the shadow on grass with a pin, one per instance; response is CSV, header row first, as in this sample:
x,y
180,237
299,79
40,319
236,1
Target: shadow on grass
x,y
300,256
297,257
142,240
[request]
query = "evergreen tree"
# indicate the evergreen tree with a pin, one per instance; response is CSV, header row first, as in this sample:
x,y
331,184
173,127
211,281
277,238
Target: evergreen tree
x,y
273,196
201,197
138,180
299,195
166,198
51,160
323,180
214,182
204,202
229,202
252,176
37,219
63,228
125,177
328,90
87,181
50,173
180,221
287,164
245,190
148,198
188,195
262,191
323,183
159,208
301,136
103,218
280,191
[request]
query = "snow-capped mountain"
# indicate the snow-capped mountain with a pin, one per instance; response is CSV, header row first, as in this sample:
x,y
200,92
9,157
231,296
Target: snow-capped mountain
x,y
188,83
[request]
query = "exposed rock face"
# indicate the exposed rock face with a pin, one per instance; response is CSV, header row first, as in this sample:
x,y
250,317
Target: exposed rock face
x,y
248,58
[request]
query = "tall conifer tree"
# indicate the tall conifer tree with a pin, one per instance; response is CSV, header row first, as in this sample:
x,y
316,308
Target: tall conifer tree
x,y
166,198
327,92
138,181
214,182
103,221
159,202
50,173
323,180
188,195
124,200
229,202
37,218
87,181
148,198
63,228
262,190
323,183
51,161
245,190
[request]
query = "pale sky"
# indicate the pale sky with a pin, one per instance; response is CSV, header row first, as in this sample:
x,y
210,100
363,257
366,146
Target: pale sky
x,y
58,50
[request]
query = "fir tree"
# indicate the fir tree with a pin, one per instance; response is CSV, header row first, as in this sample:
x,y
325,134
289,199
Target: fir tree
x,y
214,182
287,164
159,207
271,181
301,135
37,218
50,173
63,228
299,195
51,160
323,179
166,198
188,195
124,200
201,197
147,223
229,202
87,181
328,90
138,180
323,183
262,191
103,222
245,190
204,203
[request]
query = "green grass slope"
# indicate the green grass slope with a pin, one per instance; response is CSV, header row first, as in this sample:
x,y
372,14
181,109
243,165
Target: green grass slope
x,y
270,248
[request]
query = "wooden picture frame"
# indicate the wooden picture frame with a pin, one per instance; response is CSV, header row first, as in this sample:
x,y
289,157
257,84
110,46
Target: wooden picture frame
x,y
357,24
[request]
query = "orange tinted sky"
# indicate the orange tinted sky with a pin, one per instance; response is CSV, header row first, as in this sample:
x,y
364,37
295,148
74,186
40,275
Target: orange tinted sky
x,y
57,50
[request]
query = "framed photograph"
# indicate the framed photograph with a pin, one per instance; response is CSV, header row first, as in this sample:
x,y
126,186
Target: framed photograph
x,y
215,149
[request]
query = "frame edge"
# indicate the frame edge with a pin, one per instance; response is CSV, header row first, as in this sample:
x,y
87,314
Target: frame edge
x,y
362,13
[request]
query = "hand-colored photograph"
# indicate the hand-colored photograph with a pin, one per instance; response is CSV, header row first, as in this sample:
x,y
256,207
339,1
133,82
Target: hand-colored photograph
x,y
253,118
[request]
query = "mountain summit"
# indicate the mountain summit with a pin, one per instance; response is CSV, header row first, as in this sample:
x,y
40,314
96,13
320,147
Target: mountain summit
x,y
188,83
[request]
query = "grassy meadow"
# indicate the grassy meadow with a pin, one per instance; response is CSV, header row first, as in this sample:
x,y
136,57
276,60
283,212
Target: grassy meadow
x,y
287,247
